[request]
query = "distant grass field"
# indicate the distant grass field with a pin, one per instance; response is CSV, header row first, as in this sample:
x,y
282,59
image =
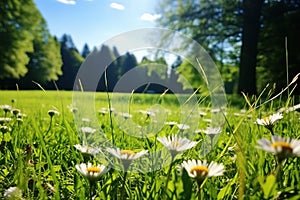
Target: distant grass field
x,y
37,153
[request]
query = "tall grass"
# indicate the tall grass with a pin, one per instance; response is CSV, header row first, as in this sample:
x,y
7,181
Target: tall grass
x,y
41,160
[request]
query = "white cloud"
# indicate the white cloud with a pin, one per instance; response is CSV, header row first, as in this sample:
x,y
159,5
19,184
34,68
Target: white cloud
x,y
117,6
150,17
70,2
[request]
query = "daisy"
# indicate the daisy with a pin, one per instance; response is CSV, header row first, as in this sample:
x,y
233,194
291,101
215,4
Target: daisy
x,y
183,127
51,113
87,129
171,123
87,150
90,172
126,156
176,144
200,170
279,146
4,120
6,108
125,115
269,121
13,193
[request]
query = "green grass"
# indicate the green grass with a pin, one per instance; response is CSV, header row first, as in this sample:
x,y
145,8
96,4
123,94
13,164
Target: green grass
x,y
39,151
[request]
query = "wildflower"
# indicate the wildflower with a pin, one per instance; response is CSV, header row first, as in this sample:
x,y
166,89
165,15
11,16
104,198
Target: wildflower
x,y
51,113
4,129
87,150
6,108
200,170
125,115
88,129
13,193
183,127
176,144
90,172
212,132
171,123
126,156
149,113
85,120
269,121
15,111
4,120
279,146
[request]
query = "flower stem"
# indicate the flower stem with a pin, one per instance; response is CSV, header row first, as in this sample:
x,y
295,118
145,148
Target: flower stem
x,y
168,177
123,185
199,183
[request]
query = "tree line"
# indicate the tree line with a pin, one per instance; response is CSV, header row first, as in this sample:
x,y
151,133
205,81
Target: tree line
x,y
254,42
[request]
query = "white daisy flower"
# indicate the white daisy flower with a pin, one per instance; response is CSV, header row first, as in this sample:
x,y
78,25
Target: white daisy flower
x,y
176,144
91,172
198,169
51,113
149,113
125,115
126,156
6,108
87,150
4,120
282,147
87,129
183,127
212,131
85,119
269,121
13,193
171,123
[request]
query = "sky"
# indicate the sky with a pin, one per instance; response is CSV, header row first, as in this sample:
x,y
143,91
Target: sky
x,y
95,21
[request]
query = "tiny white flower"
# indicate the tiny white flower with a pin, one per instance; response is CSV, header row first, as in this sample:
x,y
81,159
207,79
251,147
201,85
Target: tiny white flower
x,y
282,147
13,193
198,169
149,113
88,129
269,121
4,120
85,119
125,115
176,144
183,127
87,150
126,156
51,113
6,108
171,123
92,173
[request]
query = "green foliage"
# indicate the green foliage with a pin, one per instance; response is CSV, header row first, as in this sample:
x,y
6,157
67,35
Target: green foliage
x,y
36,154
18,18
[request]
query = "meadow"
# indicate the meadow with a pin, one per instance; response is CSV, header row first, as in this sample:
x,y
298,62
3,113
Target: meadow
x,y
141,151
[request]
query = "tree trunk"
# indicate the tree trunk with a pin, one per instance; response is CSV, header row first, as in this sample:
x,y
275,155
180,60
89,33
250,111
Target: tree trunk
x,y
250,34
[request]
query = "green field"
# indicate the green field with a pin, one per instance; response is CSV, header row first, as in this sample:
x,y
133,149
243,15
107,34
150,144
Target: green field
x,y
38,156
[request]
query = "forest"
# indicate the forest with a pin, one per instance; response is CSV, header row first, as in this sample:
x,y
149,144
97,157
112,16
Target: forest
x,y
253,42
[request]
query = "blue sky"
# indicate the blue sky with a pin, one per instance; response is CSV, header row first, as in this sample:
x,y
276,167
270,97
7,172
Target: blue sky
x,y
95,21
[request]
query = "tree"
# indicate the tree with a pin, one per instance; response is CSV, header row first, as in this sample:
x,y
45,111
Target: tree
x,y
215,25
86,51
250,37
18,18
45,61
71,62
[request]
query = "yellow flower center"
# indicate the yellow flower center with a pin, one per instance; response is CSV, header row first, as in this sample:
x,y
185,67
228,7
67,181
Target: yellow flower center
x,y
266,118
127,152
93,169
199,170
286,147
176,144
